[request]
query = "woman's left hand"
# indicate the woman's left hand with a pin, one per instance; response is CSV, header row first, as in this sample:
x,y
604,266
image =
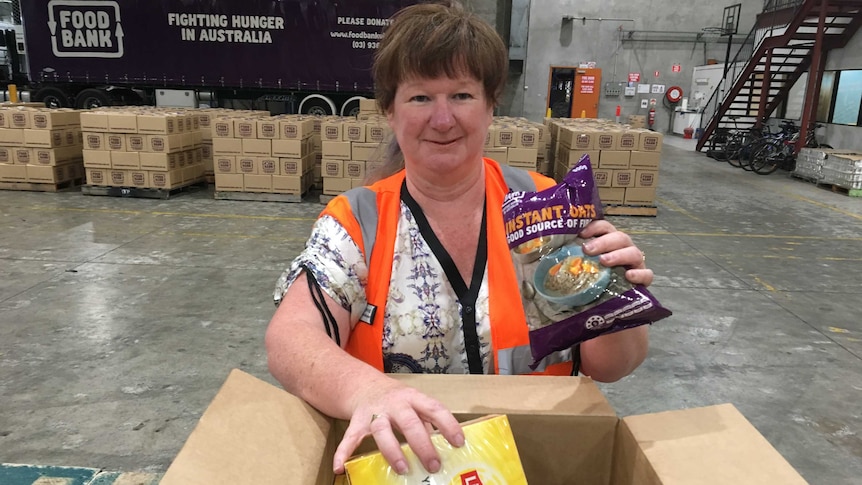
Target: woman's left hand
x,y
615,248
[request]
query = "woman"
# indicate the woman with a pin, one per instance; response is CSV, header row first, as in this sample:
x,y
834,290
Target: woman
x,y
413,273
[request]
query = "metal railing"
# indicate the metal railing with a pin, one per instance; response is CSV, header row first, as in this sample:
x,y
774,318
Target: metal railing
x,y
733,70
773,5
737,65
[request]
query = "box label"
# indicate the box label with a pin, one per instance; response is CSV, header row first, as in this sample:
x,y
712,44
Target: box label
x,y
118,177
268,167
139,179
115,142
222,128
19,120
94,142
246,165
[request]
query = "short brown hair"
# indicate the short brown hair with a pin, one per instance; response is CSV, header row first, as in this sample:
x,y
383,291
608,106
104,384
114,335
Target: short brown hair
x,y
429,40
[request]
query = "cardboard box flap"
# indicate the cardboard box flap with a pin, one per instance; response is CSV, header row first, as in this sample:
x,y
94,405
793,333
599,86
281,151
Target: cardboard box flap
x,y
708,445
536,395
253,432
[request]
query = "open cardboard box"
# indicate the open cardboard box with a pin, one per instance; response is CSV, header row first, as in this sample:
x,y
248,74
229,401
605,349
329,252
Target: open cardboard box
x,y
566,433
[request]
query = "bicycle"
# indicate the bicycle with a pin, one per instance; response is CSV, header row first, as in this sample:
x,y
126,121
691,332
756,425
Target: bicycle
x,y
780,152
724,141
740,146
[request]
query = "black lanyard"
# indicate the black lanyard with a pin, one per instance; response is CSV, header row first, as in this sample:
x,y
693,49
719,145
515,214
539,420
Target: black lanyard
x,y
466,296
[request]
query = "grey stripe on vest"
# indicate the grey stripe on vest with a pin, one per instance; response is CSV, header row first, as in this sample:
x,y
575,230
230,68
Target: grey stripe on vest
x,y
517,360
363,203
518,179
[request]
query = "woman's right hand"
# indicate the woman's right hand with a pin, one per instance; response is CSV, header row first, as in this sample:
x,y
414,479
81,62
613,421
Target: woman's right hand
x,y
388,405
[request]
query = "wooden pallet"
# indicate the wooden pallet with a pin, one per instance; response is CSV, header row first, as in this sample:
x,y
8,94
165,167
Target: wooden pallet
x,y
841,190
631,210
259,196
140,192
831,187
68,185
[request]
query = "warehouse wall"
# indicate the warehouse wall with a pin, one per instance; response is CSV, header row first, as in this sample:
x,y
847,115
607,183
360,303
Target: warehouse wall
x,y
553,41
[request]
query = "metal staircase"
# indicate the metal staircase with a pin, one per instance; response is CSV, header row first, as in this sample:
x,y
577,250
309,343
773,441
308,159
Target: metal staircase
x,y
788,39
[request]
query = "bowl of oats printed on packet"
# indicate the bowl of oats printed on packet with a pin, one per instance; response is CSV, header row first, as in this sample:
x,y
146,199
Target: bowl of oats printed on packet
x,y
569,277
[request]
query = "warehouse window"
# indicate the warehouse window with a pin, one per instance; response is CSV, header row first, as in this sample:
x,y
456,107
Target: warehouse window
x,y
848,98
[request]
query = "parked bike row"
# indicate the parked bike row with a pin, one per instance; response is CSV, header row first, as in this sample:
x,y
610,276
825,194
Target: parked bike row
x,y
760,150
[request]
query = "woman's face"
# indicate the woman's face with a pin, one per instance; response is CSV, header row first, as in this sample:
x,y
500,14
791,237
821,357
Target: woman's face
x,y
440,123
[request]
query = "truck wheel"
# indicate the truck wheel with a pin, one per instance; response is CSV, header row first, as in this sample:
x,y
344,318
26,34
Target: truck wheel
x,y
351,107
92,98
53,97
317,105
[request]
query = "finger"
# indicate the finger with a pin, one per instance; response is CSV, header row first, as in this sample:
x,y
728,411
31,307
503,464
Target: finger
x,y
630,257
597,228
444,421
614,249
607,243
352,438
413,429
642,277
388,444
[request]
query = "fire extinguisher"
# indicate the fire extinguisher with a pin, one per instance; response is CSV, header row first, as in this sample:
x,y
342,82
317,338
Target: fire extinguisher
x,y
651,117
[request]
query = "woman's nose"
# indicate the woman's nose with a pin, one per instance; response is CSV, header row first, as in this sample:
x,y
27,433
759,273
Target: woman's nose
x,y
441,116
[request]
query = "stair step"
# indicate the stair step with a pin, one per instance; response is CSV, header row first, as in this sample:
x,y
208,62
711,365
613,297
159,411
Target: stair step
x,y
834,22
812,35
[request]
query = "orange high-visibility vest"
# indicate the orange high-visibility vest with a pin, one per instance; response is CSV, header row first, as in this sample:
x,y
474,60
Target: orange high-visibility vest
x,y
370,215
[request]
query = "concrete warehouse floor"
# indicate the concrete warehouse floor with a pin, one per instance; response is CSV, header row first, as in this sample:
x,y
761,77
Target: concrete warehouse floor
x,y
120,318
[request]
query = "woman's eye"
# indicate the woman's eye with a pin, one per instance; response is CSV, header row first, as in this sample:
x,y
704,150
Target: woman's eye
x,y
420,98
463,96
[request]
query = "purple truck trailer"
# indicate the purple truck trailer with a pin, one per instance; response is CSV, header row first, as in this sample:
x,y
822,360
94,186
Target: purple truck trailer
x,y
293,56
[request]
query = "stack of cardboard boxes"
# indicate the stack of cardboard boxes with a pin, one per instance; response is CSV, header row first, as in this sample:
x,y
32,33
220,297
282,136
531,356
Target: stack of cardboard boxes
x,y
258,153
142,147
637,121
368,109
518,142
351,149
625,161
40,145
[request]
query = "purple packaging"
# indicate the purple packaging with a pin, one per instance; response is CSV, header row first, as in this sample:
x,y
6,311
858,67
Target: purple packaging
x,y
568,297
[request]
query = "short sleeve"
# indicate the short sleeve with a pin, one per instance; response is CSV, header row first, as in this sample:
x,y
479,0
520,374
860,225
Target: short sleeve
x,y
336,262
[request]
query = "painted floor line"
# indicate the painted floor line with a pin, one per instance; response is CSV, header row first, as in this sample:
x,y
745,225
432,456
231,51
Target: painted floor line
x,y
679,209
827,206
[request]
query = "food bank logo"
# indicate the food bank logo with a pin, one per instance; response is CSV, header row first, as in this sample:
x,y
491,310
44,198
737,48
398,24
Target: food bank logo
x,y
89,28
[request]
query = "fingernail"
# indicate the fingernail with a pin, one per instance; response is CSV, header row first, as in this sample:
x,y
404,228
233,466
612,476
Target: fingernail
x,y
588,247
401,467
459,440
434,466
338,468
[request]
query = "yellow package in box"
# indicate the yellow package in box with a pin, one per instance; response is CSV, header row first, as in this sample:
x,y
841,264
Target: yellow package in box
x,y
488,457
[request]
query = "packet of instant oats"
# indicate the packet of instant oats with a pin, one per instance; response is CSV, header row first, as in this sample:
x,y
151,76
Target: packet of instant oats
x,y
489,456
569,297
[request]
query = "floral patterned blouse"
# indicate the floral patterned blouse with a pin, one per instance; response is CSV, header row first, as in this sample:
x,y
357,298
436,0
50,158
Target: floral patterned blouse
x,y
422,330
